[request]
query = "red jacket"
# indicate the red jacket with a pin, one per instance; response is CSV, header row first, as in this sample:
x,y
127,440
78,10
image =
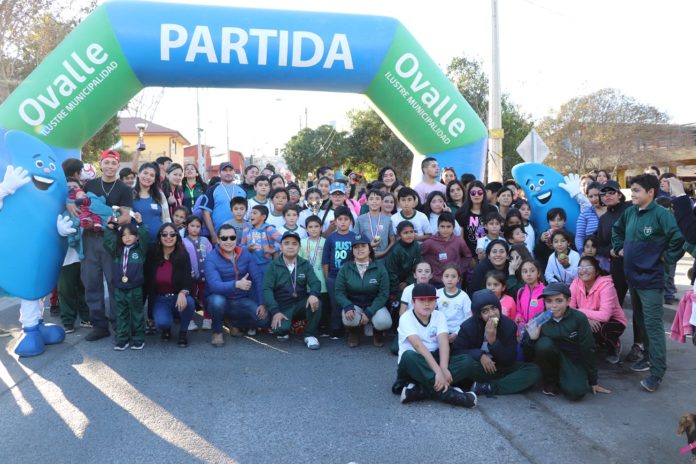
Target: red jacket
x,y
599,304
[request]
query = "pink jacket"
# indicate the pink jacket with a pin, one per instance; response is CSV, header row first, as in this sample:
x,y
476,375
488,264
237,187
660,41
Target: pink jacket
x,y
529,303
681,327
601,303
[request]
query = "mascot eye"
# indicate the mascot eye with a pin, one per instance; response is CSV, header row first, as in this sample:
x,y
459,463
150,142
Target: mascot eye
x,y
531,187
39,164
541,182
52,166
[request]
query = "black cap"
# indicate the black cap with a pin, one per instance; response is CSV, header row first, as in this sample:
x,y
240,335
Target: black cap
x,y
290,234
611,185
361,239
226,164
423,291
556,288
483,298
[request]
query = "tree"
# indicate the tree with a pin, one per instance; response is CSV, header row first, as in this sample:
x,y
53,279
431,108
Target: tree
x,y
374,145
604,129
471,80
311,148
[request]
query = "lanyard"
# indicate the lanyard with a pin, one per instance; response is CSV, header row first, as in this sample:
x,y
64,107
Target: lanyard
x,y
293,277
126,251
374,231
190,190
312,258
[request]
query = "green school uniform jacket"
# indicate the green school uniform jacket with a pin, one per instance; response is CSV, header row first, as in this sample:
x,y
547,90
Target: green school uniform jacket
x,y
399,264
277,284
135,270
370,292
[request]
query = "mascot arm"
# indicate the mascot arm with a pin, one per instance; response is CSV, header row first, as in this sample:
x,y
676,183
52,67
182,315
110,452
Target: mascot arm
x,y
65,226
14,179
571,184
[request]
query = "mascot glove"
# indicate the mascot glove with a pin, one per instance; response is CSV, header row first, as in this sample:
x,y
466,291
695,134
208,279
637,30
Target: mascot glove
x,y
65,226
14,179
571,185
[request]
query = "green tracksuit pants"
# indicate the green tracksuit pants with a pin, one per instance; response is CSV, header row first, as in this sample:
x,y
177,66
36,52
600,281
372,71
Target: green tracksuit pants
x,y
557,367
71,295
507,379
414,368
130,317
298,312
648,310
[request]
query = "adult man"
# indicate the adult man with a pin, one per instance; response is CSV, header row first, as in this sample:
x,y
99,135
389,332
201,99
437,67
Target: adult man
x,y
97,264
250,173
325,171
430,183
234,286
285,292
163,162
489,343
217,209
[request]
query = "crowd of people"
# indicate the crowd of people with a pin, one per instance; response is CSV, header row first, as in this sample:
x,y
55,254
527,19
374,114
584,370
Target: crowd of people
x,y
480,300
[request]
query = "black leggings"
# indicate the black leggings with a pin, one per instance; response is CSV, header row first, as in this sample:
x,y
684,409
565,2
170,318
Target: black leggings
x,y
609,333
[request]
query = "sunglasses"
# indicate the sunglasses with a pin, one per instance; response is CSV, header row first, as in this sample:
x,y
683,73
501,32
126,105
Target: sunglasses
x,y
224,238
609,192
168,234
476,193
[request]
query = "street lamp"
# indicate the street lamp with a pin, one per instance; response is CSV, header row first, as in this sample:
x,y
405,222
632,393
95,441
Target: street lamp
x,y
141,126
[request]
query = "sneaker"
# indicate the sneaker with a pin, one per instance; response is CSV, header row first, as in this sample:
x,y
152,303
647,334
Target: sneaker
x,y
97,333
86,324
166,335
4,333
412,392
217,340
615,353
369,330
207,324
283,338
457,397
251,332
235,332
635,354
481,388
550,389
641,366
121,346
183,340
378,339
312,343
137,346
650,383
69,328
192,326
671,301
150,328
55,310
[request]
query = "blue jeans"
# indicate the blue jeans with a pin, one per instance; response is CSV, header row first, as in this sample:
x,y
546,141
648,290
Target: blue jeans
x,y
241,312
164,309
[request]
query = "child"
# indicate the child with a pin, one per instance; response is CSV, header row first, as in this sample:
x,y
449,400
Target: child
x,y
238,206
563,262
528,301
452,301
564,348
337,200
526,213
198,247
311,249
492,222
279,198
647,237
389,204
445,248
589,248
435,205
375,225
88,219
422,272
291,214
556,218
408,200
337,249
312,207
426,369
128,250
496,282
261,188
179,215
515,235
261,239
400,261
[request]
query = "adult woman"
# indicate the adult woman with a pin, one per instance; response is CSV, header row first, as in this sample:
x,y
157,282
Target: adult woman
x,y
603,176
470,215
588,220
324,185
193,186
172,186
168,283
595,296
455,195
362,292
496,260
387,175
447,176
148,199
505,199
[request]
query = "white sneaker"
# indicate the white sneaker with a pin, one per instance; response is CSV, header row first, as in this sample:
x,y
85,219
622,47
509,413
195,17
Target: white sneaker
x,y
369,330
312,343
192,326
283,338
251,332
207,324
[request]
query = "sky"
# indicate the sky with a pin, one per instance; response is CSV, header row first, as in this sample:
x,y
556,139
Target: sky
x,y
550,52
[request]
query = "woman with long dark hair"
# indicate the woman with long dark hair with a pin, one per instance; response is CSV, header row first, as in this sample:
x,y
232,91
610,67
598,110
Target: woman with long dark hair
x,y
455,195
193,185
172,186
470,215
148,199
168,283
388,176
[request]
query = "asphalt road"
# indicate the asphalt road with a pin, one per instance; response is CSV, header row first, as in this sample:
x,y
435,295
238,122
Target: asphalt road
x,y
264,401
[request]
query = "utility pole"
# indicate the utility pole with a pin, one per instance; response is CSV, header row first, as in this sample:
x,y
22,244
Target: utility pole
x,y
495,125
305,117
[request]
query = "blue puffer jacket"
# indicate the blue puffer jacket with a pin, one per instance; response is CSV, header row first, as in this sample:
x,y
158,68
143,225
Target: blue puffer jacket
x,y
221,277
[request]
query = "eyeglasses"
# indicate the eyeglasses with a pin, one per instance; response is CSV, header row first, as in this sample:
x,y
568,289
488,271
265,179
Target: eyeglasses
x,y
585,268
476,193
225,238
609,192
168,234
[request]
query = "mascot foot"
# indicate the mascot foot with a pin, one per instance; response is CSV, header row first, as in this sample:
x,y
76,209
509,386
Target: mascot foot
x,y
51,333
31,344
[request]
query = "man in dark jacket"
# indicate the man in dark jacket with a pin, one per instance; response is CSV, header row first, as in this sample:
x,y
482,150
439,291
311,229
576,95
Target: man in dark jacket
x,y
489,341
291,292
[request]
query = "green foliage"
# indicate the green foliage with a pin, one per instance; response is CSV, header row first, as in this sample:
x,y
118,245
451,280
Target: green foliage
x,y
311,148
105,138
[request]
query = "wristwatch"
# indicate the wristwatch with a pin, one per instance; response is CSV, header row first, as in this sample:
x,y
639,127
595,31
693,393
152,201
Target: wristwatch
x,y
185,292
